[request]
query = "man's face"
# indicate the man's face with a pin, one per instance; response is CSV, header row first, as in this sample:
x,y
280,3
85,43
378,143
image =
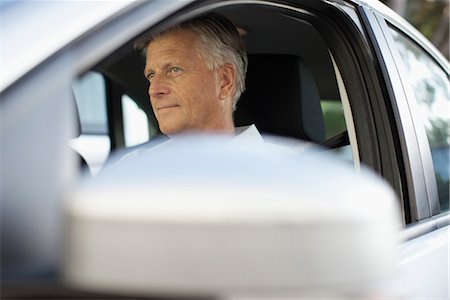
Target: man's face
x,y
184,93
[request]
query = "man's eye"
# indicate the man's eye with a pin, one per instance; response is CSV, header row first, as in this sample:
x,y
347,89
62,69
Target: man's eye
x,y
150,75
174,69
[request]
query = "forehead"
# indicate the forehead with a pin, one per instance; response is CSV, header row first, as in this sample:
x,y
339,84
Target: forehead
x,y
174,43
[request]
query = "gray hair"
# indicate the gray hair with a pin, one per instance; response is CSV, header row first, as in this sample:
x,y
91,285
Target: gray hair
x,y
220,43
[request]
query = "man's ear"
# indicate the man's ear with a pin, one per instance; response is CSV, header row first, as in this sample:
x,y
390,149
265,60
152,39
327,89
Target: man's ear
x,y
226,74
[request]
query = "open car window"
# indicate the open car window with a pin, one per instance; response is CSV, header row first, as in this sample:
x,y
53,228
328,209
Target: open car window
x,y
292,84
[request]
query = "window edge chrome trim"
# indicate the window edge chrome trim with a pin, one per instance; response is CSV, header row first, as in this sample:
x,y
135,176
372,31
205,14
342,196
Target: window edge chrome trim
x,y
417,229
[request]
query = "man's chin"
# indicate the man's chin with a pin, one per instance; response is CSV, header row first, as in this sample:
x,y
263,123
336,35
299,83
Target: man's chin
x,y
171,130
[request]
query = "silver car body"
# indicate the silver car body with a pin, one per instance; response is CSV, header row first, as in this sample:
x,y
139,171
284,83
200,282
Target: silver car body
x,y
45,45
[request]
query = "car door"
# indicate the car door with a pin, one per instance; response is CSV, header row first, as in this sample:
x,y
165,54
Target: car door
x,y
377,103
417,77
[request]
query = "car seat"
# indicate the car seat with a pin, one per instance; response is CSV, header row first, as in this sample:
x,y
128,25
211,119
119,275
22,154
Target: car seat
x,y
281,98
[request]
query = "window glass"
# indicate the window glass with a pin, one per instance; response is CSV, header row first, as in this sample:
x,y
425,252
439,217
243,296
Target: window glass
x,y
333,117
135,123
431,87
335,125
90,95
94,143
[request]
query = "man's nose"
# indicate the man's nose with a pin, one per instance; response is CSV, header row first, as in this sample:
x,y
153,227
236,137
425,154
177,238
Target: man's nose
x,y
158,87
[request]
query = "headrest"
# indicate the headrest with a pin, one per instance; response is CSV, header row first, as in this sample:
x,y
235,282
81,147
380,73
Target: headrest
x,y
281,98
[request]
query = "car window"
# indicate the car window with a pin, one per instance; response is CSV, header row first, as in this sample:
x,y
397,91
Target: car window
x,y
278,44
333,114
335,124
135,124
93,143
90,96
431,88
320,113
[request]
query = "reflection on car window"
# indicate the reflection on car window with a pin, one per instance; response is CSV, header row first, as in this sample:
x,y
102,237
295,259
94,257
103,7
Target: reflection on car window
x,y
431,88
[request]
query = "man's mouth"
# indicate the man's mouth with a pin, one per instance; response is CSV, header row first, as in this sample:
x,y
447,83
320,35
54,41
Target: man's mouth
x,y
166,107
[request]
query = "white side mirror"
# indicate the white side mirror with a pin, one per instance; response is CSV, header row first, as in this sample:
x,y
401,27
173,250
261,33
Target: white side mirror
x,y
213,217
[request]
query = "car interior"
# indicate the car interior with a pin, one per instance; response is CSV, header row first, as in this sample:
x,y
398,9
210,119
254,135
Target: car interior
x,y
291,85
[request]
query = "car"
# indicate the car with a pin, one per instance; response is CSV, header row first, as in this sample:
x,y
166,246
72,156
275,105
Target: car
x,y
350,76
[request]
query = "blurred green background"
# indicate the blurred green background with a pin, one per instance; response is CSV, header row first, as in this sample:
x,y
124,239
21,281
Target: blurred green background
x,y
431,17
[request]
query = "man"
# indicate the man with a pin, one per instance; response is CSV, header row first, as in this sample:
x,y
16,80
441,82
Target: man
x,y
196,72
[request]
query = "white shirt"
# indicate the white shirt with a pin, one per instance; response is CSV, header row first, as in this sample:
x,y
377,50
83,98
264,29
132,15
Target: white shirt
x,y
249,133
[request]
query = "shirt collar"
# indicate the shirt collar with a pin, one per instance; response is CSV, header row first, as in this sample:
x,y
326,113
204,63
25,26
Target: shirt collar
x,y
248,132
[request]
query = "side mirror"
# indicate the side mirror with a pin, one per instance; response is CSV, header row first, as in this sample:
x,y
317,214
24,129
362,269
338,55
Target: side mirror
x,y
208,216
